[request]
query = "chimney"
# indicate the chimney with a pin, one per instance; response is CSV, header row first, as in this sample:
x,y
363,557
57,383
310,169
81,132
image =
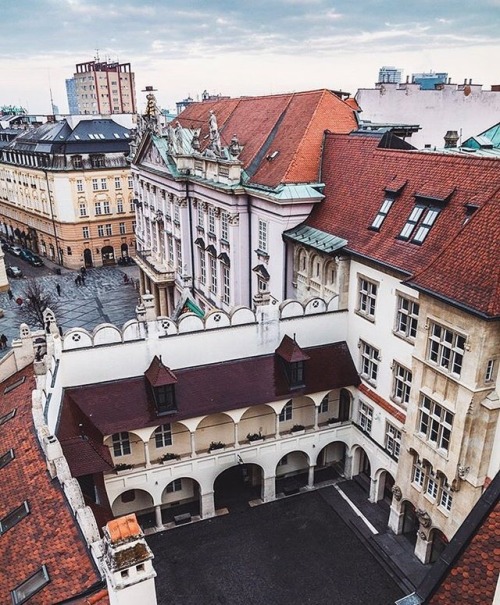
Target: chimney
x,y
450,139
127,563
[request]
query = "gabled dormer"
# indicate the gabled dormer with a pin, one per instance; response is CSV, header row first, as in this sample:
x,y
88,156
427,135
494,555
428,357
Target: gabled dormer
x,y
292,359
160,382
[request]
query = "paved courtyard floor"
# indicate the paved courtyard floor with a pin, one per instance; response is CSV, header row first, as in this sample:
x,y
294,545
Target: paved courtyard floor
x,y
295,551
105,297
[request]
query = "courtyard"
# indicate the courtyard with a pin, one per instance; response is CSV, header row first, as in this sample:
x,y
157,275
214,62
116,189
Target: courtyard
x,y
297,550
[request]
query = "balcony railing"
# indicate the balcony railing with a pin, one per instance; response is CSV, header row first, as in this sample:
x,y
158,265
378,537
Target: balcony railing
x,y
157,269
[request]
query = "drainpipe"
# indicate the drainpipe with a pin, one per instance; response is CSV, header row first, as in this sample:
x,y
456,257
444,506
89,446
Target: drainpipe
x,y
190,214
58,252
249,213
285,285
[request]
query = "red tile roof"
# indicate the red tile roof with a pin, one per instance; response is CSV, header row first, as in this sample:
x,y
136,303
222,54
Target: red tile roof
x,y
48,534
474,255
159,375
292,124
388,407
472,579
357,174
123,528
290,351
125,405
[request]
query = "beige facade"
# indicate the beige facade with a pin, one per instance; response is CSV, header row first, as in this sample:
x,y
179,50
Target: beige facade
x,y
76,211
105,88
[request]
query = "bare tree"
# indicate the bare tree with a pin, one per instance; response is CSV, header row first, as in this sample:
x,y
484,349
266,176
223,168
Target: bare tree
x,y
35,301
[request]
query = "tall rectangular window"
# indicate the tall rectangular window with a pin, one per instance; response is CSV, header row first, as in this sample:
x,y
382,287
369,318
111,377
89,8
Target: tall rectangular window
x,y
369,361
163,436
130,181
418,472
170,246
213,274
109,229
392,440
401,384
122,229
406,317
211,221
85,232
262,236
226,291
431,488
178,248
100,230
119,205
367,297
203,267
286,413
118,182
104,183
97,208
121,444
490,367
79,185
446,348
445,496
435,423
201,216
106,207
365,416
95,184
224,226
83,209
177,216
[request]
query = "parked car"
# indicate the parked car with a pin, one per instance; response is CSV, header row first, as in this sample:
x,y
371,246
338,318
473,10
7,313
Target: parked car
x,y
26,255
15,250
14,272
35,260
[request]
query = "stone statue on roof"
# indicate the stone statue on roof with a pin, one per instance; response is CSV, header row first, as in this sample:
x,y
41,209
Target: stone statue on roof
x,y
214,134
178,137
195,141
151,118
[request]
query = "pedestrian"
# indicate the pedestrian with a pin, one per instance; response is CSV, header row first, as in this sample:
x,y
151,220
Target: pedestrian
x,y
78,280
83,271
82,279
58,288
3,340
11,294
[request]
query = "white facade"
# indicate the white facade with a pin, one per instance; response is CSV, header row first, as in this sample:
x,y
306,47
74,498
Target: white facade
x,y
465,108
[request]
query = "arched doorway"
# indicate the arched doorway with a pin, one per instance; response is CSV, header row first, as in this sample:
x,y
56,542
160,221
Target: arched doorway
x,y
180,496
410,522
344,405
87,258
292,473
438,544
108,255
124,250
362,469
330,463
235,487
385,485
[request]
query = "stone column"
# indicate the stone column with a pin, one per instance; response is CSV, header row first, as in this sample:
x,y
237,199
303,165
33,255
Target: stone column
x,y
310,478
316,416
236,441
396,519
277,436
158,519
373,491
423,547
146,454
142,283
207,505
348,467
269,489
193,448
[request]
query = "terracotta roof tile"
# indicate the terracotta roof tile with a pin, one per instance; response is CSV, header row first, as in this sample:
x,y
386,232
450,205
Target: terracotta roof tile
x,y
356,173
159,375
290,351
123,528
292,124
48,534
388,407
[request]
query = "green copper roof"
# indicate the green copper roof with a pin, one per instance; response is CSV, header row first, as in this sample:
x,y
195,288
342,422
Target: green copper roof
x,y
194,308
325,242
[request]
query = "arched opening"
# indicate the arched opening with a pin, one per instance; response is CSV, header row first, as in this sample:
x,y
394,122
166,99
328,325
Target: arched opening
x,y
438,544
124,250
134,501
292,472
362,469
410,523
108,255
215,429
345,401
180,496
385,485
235,487
260,419
87,258
330,463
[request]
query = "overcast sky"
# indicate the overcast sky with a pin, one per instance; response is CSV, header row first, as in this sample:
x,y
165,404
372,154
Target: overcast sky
x,y
242,47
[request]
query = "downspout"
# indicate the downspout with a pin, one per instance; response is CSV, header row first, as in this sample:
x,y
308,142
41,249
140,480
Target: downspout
x,y
190,214
249,213
285,285
58,252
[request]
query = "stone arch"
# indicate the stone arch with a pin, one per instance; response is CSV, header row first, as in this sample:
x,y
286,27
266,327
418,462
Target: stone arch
x,y
106,334
384,482
257,419
159,446
132,454
330,274
237,485
132,501
361,467
214,428
330,461
438,541
180,495
410,523
292,471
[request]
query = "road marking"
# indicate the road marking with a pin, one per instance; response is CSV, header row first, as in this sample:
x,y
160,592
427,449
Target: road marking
x,y
356,510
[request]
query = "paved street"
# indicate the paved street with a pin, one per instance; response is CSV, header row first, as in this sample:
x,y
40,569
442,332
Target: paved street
x,y
104,298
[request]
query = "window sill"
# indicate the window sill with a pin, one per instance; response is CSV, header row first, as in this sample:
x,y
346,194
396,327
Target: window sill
x,y
372,383
365,316
404,337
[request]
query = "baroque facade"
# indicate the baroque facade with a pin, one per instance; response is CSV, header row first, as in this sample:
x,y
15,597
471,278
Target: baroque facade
x,y
66,191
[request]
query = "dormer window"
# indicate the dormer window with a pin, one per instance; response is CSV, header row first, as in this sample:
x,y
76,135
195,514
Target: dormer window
x,y
423,216
160,382
293,360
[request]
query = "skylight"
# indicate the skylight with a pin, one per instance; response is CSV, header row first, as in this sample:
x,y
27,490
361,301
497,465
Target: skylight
x,y
382,213
6,458
14,517
426,224
30,586
14,385
6,417
429,214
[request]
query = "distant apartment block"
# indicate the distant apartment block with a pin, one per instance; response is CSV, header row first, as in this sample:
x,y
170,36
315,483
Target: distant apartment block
x,y
390,74
105,88
430,80
71,96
